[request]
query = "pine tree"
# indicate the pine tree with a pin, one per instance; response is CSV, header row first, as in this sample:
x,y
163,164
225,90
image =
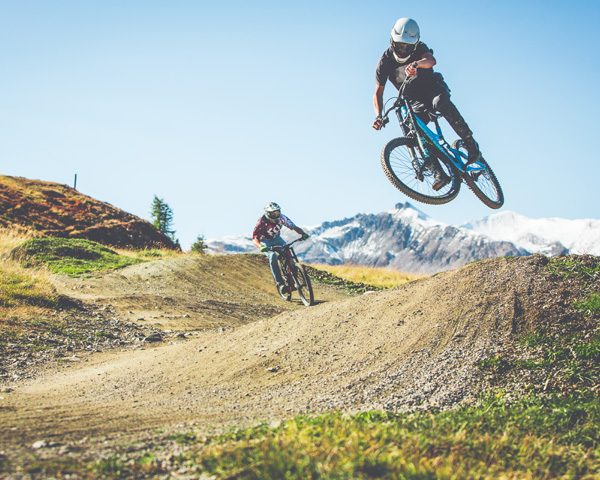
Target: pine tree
x,y
199,246
162,217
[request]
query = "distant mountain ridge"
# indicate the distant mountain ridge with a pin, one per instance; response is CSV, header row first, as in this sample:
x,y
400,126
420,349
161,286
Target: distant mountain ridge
x,y
550,236
407,239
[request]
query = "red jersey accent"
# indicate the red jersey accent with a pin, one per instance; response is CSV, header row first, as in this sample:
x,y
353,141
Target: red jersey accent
x,y
266,229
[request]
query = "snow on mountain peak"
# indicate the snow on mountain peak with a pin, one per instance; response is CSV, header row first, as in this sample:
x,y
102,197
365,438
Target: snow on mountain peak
x,y
541,235
412,214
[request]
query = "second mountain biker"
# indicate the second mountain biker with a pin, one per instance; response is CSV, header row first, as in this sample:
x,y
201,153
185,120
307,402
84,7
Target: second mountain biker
x,y
267,233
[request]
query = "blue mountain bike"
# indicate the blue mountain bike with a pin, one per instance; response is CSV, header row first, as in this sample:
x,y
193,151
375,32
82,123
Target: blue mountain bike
x,y
410,162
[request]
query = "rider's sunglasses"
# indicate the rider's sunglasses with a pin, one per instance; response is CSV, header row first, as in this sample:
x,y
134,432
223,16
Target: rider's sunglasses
x,y
402,49
275,214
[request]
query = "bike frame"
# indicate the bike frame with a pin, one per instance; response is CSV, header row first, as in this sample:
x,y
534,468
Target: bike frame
x,y
288,254
408,118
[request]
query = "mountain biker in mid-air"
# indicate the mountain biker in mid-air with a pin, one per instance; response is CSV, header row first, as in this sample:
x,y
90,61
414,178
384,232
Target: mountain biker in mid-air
x,y
427,91
267,234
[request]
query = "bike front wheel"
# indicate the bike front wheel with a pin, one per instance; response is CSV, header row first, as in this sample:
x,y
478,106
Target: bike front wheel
x,y
305,290
414,176
483,183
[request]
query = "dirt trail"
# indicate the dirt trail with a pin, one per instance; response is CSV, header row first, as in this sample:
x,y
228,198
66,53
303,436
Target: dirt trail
x,y
189,292
412,347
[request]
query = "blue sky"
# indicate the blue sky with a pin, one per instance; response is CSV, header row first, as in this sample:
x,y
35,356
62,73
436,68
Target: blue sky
x,y
222,107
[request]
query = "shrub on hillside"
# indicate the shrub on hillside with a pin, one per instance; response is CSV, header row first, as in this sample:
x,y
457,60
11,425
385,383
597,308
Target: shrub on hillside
x,y
199,246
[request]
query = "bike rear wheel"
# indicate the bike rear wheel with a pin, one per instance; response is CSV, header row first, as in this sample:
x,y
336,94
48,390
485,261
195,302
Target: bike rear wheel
x,y
305,290
413,177
483,183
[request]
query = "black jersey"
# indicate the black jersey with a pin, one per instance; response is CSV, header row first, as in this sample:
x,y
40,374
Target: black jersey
x,y
390,69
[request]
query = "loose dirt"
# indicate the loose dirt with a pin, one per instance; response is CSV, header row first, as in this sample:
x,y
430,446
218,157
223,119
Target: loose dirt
x,y
416,346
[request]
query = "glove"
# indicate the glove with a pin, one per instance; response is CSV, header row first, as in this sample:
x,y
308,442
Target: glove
x,y
263,248
378,123
304,236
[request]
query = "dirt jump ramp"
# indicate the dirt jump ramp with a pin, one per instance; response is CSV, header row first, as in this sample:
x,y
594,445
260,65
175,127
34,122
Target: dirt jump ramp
x,y
416,346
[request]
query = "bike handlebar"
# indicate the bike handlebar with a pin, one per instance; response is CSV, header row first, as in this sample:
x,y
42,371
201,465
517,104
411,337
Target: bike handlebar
x,y
278,247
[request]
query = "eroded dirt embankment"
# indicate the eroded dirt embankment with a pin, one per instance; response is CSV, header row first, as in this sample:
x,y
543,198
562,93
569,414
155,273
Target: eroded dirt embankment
x,y
413,347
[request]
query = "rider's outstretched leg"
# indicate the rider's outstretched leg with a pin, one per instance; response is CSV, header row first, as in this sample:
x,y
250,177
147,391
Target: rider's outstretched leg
x,y
444,105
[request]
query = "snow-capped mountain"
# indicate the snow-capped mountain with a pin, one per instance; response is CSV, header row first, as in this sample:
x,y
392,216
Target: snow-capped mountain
x,y
407,239
404,238
550,236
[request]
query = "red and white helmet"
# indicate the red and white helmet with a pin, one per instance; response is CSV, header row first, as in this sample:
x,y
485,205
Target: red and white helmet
x,y
404,38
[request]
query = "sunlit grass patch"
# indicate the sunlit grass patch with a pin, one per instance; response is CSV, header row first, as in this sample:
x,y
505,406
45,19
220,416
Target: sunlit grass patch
x,y
376,276
72,257
532,438
21,288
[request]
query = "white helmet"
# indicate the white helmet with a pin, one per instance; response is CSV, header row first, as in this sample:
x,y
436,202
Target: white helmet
x,y
404,38
272,211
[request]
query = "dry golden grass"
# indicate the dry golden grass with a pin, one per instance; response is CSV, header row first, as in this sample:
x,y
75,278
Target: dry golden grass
x,y
21,290
10,238
376,276
148,253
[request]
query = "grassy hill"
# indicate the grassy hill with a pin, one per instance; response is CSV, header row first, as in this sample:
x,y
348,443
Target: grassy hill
x,y
50,209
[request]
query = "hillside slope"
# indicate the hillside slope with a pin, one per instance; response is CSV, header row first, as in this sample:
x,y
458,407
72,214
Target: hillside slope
x,y
417,346
51,209
189,292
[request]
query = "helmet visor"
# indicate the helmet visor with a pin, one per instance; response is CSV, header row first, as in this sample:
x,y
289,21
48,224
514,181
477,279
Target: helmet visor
x,y
403,49
274,214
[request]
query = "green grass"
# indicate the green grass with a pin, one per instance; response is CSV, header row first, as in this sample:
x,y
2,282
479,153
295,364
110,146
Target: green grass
x,y
183,438
72,257
18,289
534,437
566,362
587,269
543,438
497,364
590,305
